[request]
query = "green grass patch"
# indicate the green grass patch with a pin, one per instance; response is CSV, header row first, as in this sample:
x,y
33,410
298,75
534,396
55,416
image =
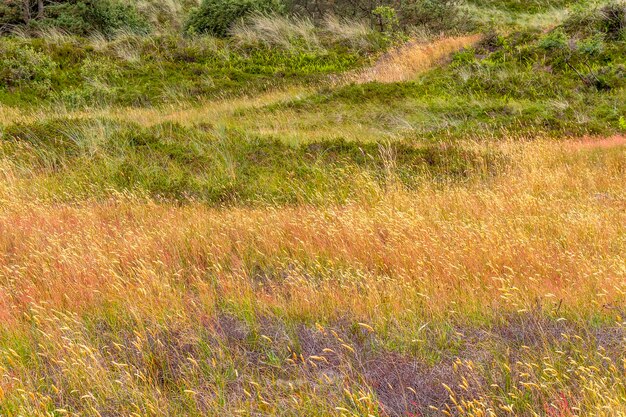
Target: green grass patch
x,y
83,157
143,71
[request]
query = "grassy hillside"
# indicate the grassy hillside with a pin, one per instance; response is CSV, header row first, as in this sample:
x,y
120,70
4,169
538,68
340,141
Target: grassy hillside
x,y
315,216
73,72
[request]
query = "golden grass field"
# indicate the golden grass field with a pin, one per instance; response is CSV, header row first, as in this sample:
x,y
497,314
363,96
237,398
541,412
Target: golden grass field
x,y
397,303
497,293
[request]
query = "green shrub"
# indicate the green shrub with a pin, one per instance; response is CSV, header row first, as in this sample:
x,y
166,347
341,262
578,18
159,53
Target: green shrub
x,y
464,57
492,41
22,66
216,17
435,15
555,40
609,20
608,77
387,18
83,17
10,13
592,46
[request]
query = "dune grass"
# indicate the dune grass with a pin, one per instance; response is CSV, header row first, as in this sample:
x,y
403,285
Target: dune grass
x,y
294,222
470,299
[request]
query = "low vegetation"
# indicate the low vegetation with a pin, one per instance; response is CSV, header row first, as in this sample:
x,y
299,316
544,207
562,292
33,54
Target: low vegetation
x,y
94,72
94,156
346,208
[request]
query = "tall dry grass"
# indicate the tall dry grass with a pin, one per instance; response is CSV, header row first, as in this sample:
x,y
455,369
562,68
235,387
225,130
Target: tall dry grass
x,y
296,33
278,31
135,307
412,59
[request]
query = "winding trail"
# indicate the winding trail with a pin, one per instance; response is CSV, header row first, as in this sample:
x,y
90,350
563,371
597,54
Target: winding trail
x,y
413,58
402,64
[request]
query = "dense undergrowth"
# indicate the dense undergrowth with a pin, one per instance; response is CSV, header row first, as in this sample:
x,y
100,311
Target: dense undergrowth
x,y
309,215
566,82
140,71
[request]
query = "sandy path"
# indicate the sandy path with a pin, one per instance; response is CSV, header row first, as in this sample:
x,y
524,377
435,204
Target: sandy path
x,y
412,59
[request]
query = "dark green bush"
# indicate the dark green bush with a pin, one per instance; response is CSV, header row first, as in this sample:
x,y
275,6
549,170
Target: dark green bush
x,y
80,17
10,13
217,16
83,17
554,41
592,46
22,66
433,14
